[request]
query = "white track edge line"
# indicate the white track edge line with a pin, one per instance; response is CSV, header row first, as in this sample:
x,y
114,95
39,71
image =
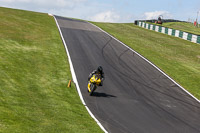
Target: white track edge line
x,y
75,79
149,63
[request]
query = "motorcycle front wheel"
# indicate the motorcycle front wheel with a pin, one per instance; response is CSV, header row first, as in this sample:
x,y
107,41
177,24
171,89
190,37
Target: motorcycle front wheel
x,y
93,88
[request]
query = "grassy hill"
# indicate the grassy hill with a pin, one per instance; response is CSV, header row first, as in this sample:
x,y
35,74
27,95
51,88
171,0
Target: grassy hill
x,y
34,73
178,58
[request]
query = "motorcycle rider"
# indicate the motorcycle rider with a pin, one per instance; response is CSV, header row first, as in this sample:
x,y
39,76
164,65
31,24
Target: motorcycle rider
x,y
99,71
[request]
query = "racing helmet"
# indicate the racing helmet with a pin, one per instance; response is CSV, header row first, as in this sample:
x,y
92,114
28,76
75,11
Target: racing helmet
x,y
100,69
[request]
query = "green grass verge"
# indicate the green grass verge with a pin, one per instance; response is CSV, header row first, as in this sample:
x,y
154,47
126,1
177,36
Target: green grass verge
x,y
183,26
34,73
178,58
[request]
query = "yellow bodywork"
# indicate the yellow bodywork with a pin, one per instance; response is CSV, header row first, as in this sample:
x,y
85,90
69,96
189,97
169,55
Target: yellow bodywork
x,y
95,79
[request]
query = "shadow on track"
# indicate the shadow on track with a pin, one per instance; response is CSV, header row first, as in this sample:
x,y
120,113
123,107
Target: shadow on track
x,y
99,94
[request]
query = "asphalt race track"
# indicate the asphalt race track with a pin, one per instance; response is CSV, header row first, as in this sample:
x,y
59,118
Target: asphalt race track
x,y
135,97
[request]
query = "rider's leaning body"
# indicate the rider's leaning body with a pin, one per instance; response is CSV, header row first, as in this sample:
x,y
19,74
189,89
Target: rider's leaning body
x,y
99,71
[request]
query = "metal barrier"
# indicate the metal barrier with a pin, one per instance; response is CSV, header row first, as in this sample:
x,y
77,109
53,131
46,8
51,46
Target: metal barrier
x,y
169,31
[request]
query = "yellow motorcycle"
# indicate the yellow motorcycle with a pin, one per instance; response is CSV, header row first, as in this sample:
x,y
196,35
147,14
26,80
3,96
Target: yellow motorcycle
x,y
94,81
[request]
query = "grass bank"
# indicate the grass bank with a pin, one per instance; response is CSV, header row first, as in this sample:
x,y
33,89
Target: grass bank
x,y
178,58
34,73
